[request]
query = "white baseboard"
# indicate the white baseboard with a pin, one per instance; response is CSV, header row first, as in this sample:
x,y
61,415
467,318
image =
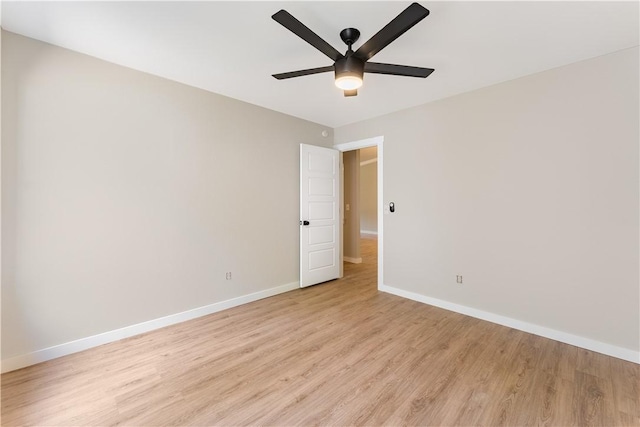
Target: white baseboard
x,y
368,233
567,338
352,260
81,344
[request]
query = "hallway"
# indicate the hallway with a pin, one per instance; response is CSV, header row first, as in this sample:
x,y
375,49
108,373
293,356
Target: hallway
x,y
367,271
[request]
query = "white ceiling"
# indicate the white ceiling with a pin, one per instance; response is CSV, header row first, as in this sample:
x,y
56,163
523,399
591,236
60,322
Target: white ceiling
x,y
232,48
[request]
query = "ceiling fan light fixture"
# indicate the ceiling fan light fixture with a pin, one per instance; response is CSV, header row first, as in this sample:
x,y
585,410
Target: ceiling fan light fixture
x,y
349,72
348,82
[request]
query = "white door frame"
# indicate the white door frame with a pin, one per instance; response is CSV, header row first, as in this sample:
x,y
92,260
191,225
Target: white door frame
x,y
376,141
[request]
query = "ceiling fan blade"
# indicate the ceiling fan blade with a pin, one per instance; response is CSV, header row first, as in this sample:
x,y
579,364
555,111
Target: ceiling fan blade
x,y
397,70
394,29
353,92
298,28
300,73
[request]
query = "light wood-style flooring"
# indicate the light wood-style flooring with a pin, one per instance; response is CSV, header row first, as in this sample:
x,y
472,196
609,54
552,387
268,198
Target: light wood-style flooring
x,y
339,353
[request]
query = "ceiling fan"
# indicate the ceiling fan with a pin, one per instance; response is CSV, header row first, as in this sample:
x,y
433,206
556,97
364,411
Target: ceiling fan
x,y
350,67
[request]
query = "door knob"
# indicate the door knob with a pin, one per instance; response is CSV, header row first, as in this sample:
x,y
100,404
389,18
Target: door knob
x,y
304,222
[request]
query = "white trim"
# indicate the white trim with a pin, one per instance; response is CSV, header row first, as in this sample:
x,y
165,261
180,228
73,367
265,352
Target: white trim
x,y
368,162
380,214
352,260
376,141
567,338
368,233
81,344
362,143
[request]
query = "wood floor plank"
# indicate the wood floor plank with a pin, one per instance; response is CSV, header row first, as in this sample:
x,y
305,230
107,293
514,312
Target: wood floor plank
x,y
625,378
588,400
340,353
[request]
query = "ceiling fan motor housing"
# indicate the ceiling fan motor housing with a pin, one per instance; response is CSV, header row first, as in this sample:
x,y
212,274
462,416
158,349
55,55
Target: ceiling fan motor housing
x,y
349,66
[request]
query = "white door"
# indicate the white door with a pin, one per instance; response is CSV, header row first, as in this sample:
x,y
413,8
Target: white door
x,y
319,215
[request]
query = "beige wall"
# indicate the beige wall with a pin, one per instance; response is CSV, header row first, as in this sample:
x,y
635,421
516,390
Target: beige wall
x,y
351,220
529,189
126,197
369,197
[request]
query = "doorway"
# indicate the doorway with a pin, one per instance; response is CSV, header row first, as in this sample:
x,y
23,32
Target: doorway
x,y
362,231
360,201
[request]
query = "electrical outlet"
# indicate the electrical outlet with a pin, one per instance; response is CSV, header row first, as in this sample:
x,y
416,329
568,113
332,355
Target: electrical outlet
x,y
459,279
228,276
